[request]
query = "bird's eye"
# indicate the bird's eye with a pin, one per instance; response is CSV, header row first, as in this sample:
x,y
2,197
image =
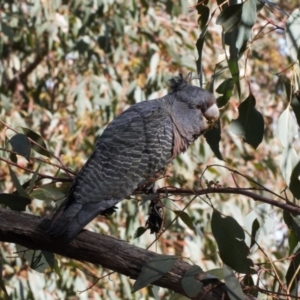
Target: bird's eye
x,y
198,106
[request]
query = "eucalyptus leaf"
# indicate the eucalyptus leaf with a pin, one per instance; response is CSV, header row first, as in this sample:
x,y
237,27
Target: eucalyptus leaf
x,y
250,124
2,285
230,238
292,275
213,138
21,145
287,129
139,232
38,139
185,218
17,184
37,259
233,286
293,35
157,267
225,88
33,178
15,202
217,272
230,17
190,284
155,290
176,296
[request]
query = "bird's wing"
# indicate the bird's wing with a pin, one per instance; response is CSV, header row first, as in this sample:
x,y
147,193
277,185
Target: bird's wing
x,y
132,149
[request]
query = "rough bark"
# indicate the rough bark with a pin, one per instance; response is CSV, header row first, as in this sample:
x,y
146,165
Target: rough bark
x,y
30,231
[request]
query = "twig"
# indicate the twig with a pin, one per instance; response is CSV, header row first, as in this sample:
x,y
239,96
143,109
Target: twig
x,y
67,170
40,146
58,179
249,179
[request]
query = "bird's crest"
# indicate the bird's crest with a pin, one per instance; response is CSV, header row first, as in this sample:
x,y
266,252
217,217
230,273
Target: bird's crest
x,y
178,83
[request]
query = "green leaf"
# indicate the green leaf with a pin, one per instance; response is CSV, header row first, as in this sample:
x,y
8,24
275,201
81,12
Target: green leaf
x,y
258,230
255,232
21,145
230,17
295,182
56,268
294,231
155,290
293,241
17,184
203,11
14,202
185,218
230,238
213,138
140,231
259,233
49,257
287,128
176,296
296,226
2,285
248,226
200,43
292,34
13,157
235,72
217,272
37,259
249,13
295,104
292,269
33,179
288,219
248,19
157,267
233,286
250,124
190,284
50,191
8,31
38,139
225,88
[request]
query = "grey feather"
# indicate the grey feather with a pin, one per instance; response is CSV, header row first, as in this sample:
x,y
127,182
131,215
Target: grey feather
x,y
133,148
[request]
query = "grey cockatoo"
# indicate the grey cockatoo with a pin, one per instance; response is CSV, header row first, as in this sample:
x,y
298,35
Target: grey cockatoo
x,y
133,148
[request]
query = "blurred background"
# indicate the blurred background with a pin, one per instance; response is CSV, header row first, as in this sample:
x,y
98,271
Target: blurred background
x,y
67,68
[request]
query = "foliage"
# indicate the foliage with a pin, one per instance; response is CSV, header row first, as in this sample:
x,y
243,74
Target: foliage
x,y
67,68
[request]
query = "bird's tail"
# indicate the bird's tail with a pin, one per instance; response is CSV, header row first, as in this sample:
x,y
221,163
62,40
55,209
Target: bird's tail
x,y
64,225
69,220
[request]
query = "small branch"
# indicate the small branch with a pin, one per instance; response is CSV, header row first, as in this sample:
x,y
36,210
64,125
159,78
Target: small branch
x,y
239,191
45,149
248,178
48,162
58,179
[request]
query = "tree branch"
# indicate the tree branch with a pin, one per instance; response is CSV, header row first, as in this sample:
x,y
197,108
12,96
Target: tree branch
x,y
228,190
29,231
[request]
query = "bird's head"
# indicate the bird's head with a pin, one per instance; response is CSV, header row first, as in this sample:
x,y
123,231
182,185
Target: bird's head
x,y
194,110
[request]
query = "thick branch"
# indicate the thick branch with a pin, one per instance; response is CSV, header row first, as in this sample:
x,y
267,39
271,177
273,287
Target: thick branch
x,y
29,231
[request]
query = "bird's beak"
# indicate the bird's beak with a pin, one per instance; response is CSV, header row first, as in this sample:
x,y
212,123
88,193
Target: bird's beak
x,y
212,114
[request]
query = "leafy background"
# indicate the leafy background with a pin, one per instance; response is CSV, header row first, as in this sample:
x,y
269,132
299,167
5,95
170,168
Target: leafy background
x,y
67,68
